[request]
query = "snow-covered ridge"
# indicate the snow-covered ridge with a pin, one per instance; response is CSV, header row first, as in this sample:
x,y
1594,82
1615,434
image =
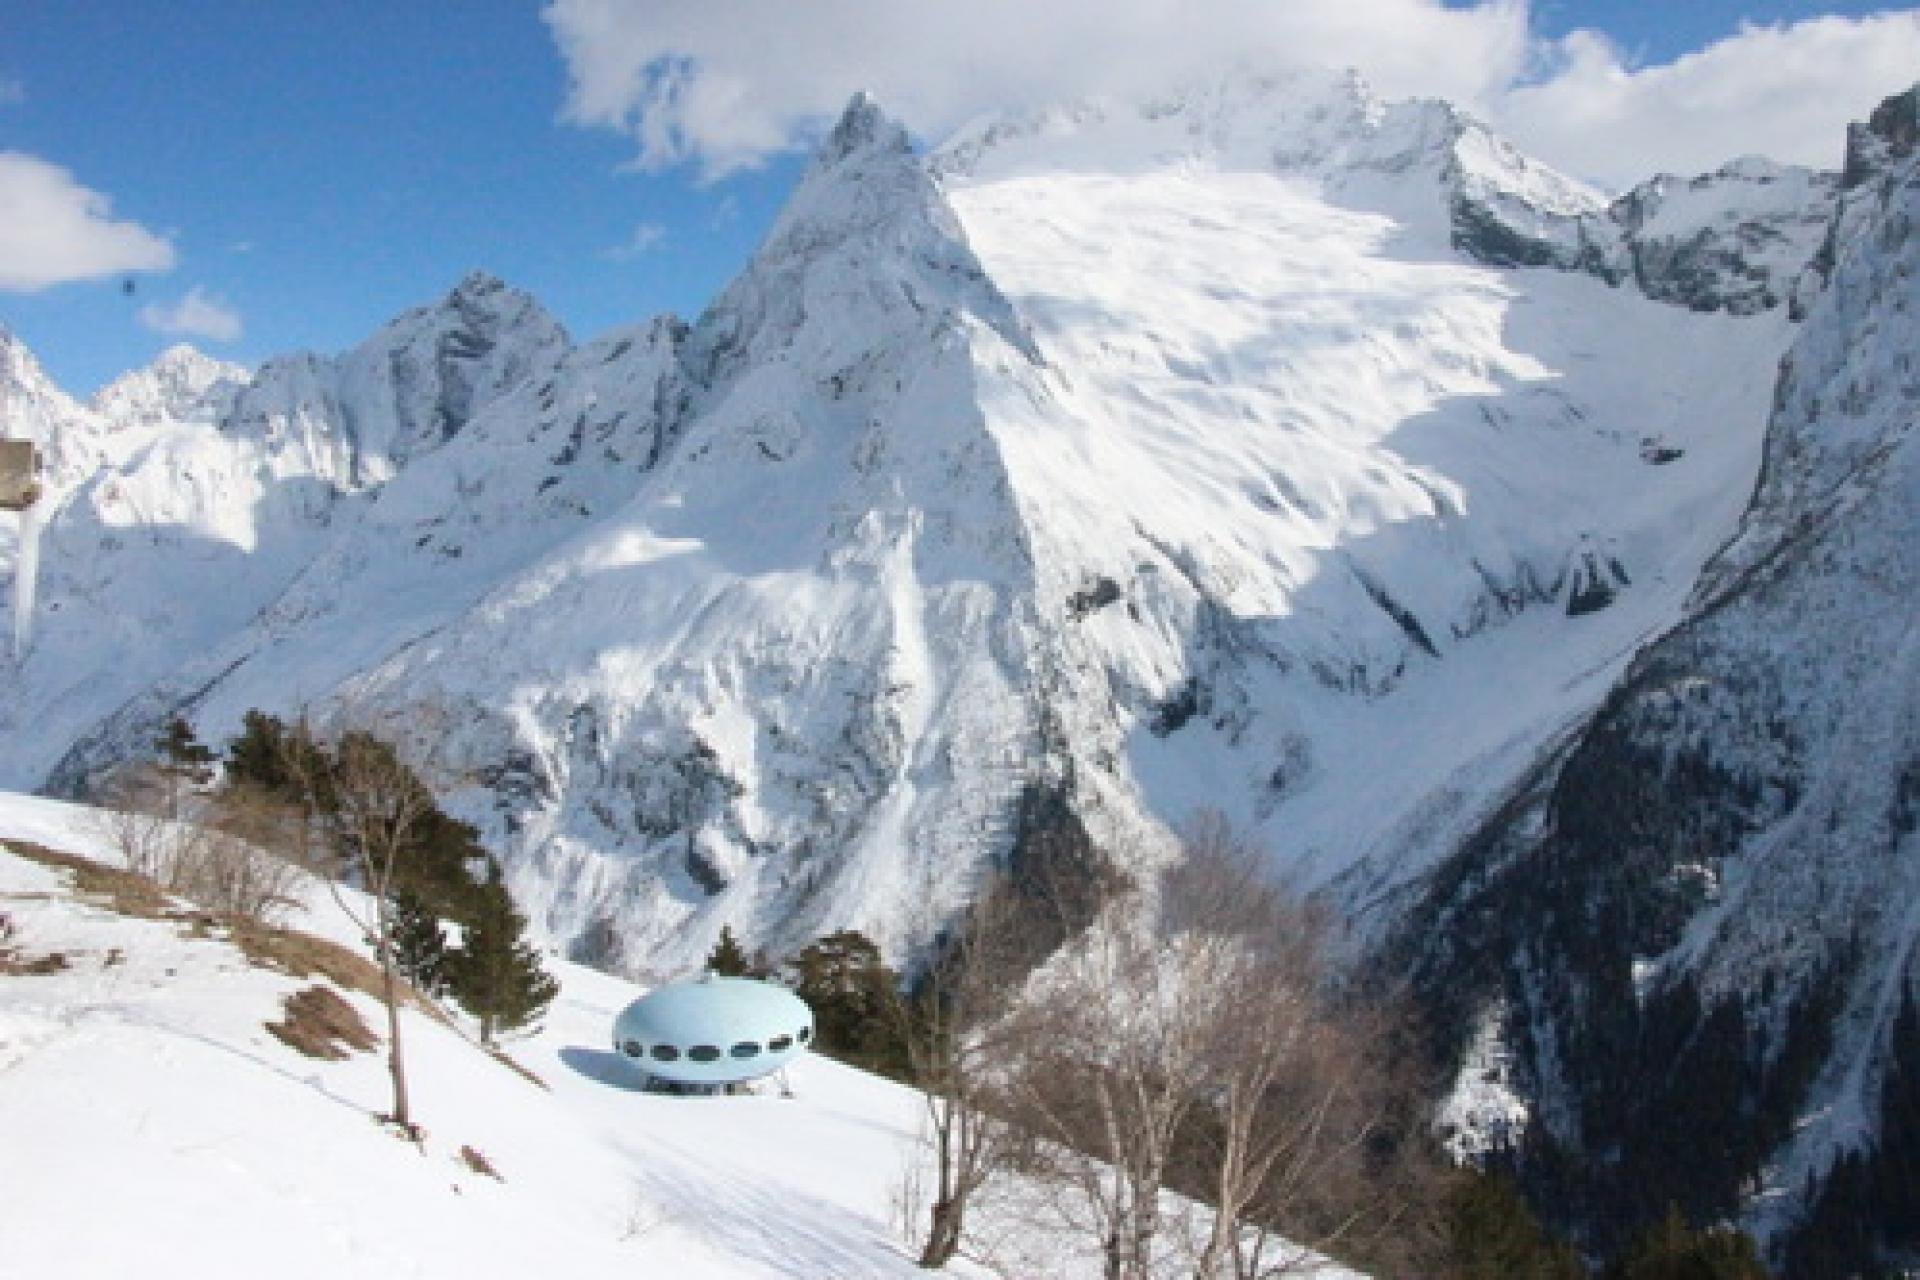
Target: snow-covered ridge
x,y
1734,240
181,385
1157,456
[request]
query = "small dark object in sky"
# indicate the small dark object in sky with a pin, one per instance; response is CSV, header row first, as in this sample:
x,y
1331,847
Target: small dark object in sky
x,y
127,286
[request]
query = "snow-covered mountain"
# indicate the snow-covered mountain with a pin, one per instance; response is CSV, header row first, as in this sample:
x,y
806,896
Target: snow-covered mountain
x,y
1706,904
1167,454
1265,447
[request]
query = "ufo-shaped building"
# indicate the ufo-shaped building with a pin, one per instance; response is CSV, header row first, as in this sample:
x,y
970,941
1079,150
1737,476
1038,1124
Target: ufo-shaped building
x,y
713,1031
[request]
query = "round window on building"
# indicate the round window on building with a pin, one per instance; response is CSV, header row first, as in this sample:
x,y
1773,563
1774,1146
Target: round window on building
x,y
704,1053
665,1053
632,1048
745,1049
779,1044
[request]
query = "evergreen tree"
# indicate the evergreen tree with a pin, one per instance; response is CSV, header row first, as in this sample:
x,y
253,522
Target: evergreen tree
x,y
1672,1250
184,765
419,943
260,754
435,865
856,1002
496,974
1491,1233
183,754
729,958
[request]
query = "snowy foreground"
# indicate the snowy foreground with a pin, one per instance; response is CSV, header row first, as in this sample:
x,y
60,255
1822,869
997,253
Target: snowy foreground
x,y
149,1124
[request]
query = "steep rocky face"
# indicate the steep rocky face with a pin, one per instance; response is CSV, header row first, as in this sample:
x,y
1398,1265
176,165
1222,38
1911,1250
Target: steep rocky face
x,y
1735,240
1703,907
355,420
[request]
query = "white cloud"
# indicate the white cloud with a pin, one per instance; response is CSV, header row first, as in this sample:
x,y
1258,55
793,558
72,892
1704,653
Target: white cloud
x,y
726,85
1786,91
53,230
645,237
198,314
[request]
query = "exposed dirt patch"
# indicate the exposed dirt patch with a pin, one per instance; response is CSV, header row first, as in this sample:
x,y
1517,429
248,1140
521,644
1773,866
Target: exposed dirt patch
x,y
479,1163
267,946
120,891
321,1024
519,1069
15,965
301,955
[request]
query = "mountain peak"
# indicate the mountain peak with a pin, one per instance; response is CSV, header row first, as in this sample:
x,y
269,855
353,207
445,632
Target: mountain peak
x,y
1891,133
864,127
181,382
479,283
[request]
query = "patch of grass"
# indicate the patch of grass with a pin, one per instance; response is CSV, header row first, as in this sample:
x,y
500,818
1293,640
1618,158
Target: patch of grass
x,y
120,891
301,955
266,946
321,1024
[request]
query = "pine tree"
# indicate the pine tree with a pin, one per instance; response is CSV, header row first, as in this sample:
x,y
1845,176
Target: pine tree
x,y
729,958
184,765
182,752
419,943
855,1000
495,973
1673,1250
1491,1232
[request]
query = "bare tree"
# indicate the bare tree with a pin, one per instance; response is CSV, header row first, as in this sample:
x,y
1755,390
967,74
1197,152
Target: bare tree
x,y
1294,1142
372,808
1107,1083
1193,1040
959,1038
218,852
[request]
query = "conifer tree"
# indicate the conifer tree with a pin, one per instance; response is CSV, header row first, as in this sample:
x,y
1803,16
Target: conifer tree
x,y
1672,1250
184,765
1491,1231
182,751
419,943
496,973
729,958
855,1000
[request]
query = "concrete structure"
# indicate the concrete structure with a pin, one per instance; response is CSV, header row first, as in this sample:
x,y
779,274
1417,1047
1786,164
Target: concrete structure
x,y
713,1031
19,475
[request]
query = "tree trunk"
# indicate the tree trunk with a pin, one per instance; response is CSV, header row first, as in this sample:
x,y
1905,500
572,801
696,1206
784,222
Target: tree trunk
x,y
943,1239
396,1063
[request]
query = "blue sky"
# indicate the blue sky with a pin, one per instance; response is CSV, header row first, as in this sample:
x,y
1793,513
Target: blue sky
x,y
313,169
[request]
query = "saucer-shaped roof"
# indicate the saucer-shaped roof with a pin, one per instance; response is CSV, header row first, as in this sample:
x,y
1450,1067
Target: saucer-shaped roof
x,y
714,1030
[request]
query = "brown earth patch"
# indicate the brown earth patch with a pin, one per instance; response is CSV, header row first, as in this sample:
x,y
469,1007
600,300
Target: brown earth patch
x,y
121,891
266,946
477,1162
321,1024
15,965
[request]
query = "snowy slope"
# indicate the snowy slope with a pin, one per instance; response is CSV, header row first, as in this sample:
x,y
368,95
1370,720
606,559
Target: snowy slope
x,y
154,1126
1160,455
1345,489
